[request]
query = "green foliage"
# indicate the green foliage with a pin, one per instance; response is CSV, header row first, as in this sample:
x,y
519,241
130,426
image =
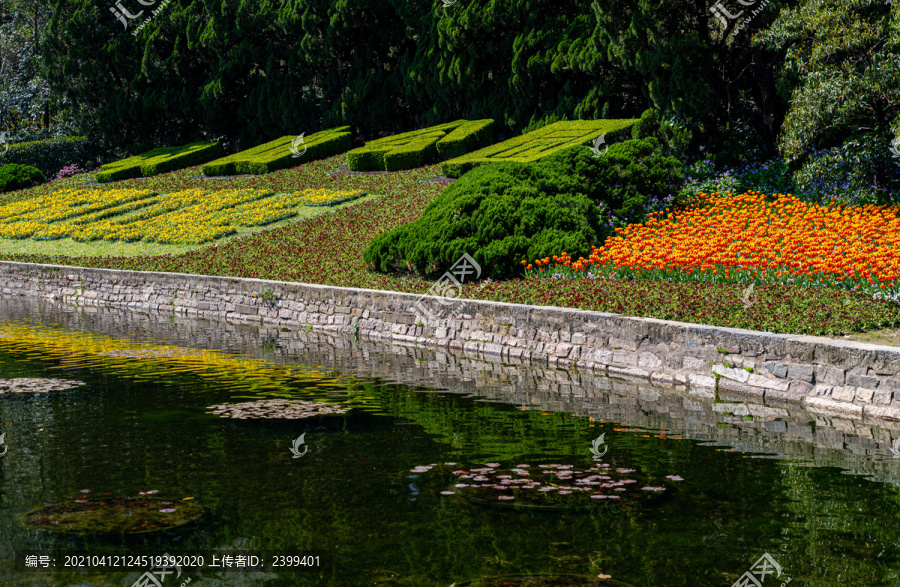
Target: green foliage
x,y
844,174
537,144
15,177
278,154
159,161
249,72
630,180
499,214
509,211
465,138
647,126
27,103
50,155
843,76
420,147
676,138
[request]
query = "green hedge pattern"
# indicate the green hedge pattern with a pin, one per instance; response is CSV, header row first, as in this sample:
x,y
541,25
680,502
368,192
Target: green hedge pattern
x,y
277,154
159,161
50,155
539,143
421,147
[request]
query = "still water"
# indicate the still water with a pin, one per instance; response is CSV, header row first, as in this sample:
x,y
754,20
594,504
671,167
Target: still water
x,y
706,487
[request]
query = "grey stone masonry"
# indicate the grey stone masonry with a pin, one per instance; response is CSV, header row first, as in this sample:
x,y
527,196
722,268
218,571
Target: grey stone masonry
x,y
822,374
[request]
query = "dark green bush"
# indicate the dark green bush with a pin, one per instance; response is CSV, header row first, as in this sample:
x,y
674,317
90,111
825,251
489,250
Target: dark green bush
x,y
16,177
674,138
51,155
631,179
506,212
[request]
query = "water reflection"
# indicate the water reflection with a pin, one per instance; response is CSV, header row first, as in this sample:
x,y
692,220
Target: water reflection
x,y
751,478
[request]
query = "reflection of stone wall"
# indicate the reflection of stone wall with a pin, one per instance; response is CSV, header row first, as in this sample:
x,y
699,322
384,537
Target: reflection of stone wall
x,y
858,445
829,376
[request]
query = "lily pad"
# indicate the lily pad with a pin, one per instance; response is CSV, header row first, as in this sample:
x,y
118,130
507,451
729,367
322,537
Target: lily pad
x,y
36,385
277,409
113,515
549,487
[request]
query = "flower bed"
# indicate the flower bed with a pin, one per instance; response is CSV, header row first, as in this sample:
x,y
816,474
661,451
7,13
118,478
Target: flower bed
x,y
751,238
191,216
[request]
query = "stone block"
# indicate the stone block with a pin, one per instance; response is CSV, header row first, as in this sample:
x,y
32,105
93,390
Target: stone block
x,y
883,397
857,380
832,406
779,370
765,382
702,381
623,343
695,364
739,375
829,375
843,394
801,387
864,395
624,358
649,360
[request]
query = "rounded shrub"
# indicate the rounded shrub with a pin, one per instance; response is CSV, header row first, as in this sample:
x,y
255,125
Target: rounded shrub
x,y
16,177
505,212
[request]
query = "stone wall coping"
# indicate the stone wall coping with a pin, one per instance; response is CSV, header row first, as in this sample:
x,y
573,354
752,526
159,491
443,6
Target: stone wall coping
x,y
849,377
513,307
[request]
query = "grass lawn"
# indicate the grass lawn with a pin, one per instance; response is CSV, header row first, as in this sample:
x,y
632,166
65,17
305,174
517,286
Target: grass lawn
x,y
326,247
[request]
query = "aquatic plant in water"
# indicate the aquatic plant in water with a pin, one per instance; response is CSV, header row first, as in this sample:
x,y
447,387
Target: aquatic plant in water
x,y
548,486
36,385
282,409
114,515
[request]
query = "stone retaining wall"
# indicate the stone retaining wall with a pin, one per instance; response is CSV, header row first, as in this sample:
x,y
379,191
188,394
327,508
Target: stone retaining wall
x,y
748,424
833,376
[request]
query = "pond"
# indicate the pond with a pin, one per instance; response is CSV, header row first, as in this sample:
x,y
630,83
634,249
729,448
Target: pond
x,y
122,434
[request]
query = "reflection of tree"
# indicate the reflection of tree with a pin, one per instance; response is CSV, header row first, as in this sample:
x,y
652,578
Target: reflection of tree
x,y
141,427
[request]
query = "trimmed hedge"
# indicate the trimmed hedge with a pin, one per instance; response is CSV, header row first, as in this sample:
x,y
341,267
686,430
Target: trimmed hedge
x,y
277,154
50,155
505,212
472,135
16,177
539,143
421,147
158,161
